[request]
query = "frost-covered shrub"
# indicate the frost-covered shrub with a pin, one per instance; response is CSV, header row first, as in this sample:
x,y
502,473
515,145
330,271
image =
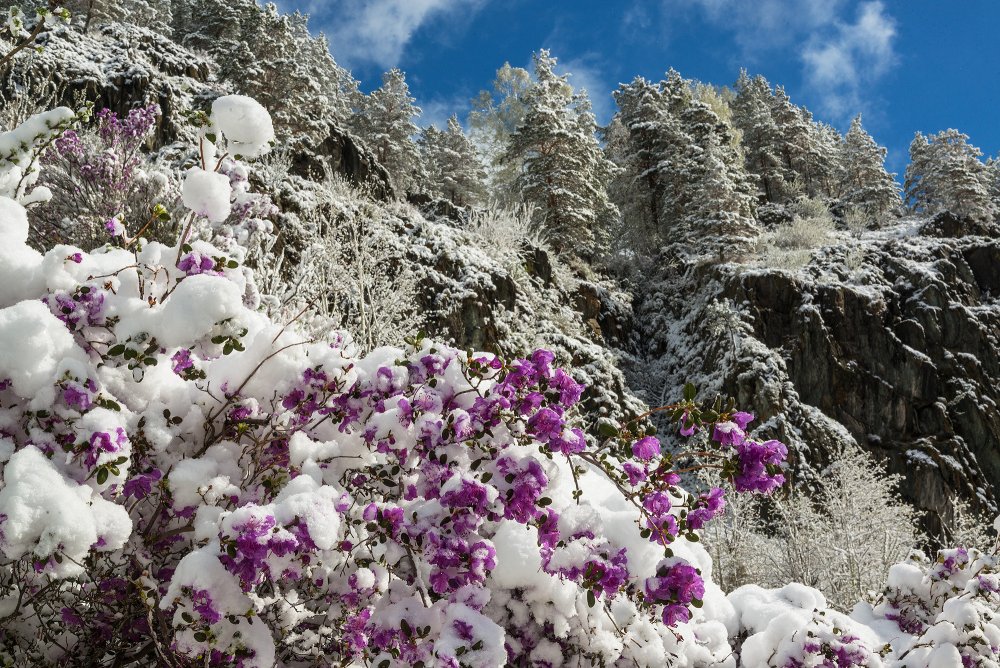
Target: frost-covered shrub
x,y
841,539
101,175
186,481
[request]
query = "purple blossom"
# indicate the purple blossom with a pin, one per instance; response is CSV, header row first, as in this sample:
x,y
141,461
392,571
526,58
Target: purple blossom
x,y
758,466
675,587
635,473
646,448
197,263
706,507
141,485
181,361
728,433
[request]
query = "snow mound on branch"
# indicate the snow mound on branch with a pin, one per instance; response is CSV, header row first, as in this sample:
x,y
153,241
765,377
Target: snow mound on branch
x,y
35,347
245,123
207,194
41,511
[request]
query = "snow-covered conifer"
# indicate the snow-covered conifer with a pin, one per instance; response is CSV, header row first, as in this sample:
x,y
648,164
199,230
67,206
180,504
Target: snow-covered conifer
x,y
760,136
387,122
864,183
452,165
946,174
565,171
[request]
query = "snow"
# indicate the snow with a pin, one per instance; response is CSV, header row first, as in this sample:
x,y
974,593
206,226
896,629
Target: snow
x,y
208,194
13,222
36,345
44,513
245,123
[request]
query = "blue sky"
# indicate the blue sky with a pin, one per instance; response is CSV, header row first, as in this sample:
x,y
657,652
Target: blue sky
x,y
906,65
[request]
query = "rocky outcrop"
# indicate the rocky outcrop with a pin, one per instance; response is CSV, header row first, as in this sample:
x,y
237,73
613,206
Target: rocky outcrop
x,y
342,154
120,67
904,353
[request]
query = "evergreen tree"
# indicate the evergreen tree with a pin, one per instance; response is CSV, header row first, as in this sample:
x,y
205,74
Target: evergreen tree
x,y
719,222
808,156
272,58
452,166
683,175
760,136
643,123
946,174
387,122
565,172
993,176
864,183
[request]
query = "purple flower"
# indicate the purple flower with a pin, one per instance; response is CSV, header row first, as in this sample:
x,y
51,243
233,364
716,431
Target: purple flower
x,y
688,428
646,448
635,473
545,425
204,606
707,507
197,263
75,257
70,618
675,586
77,396
758,466
728,433
742,419
181,361
140,486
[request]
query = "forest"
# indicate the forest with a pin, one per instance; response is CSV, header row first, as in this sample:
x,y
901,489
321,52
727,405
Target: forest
x,y
291,378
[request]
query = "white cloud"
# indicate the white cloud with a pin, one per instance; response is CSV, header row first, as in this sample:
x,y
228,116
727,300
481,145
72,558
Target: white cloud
x,y
841,59
438,110
585,74
839,66
760,25
378,31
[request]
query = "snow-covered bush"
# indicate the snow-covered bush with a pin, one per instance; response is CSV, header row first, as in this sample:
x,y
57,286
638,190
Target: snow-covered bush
x,y
186,481
841,539
101,175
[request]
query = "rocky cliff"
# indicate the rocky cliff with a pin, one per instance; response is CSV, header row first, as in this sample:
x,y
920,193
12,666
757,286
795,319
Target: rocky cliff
x,y
891,340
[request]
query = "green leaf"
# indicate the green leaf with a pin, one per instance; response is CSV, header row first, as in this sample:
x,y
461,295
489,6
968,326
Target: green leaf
x,y
607,430
102,476
591,599
690,391
696,603
116,350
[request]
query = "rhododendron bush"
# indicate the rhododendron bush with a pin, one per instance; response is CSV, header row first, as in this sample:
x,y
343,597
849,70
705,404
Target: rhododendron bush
x,y
187,482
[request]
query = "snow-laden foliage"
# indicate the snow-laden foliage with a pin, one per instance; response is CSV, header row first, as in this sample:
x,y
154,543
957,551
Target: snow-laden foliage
x,y
946,174
186,481
564,173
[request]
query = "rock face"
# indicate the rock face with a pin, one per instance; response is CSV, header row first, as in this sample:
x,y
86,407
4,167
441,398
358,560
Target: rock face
x,y
121,67
341,153
907,359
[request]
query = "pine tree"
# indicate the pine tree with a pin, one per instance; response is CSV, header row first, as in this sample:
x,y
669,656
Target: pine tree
x,y
760,136
864,183
946,174
565,172
808,157
387,123
272,58
452,167
720,222
638,188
